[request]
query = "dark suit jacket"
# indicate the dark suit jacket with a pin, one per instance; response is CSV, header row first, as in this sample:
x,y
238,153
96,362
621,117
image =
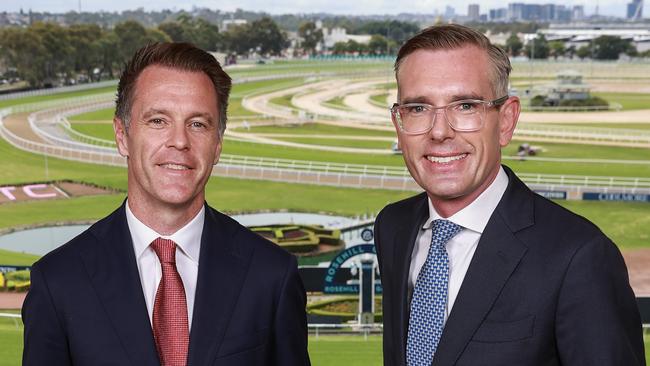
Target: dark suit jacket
x,y
545,287
86,306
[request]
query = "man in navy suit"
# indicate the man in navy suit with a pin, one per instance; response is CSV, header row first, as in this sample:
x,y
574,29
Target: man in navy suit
x,y
166,279
478,269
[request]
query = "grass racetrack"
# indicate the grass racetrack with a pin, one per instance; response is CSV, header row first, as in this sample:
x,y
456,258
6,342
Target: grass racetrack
x,y
626,223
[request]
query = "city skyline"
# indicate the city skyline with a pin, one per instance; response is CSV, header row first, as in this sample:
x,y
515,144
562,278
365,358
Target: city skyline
x,y
363,7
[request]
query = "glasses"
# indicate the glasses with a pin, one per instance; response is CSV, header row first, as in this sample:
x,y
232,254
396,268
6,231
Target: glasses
x,y
463,116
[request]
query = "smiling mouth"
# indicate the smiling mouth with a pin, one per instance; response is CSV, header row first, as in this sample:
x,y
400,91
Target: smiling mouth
x,y
445,159
174,166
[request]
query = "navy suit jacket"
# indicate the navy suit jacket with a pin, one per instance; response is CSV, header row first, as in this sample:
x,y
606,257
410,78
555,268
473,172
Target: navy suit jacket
x,y
86,305
545,287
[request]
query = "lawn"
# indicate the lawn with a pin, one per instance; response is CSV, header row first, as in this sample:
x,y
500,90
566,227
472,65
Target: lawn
x,y
629,101
16,259
323,351
345,350
625,126
339,142
337,103
42,98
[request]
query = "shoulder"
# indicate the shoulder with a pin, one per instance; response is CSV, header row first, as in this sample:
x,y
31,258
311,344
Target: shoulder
x,y
242,240
407,206
67,256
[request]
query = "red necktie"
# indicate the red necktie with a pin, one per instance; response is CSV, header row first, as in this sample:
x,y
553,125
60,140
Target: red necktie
x,y
170,325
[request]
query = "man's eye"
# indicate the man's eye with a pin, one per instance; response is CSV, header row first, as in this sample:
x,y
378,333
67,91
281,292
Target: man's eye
x,y
157,121
197,124
466,107
415,109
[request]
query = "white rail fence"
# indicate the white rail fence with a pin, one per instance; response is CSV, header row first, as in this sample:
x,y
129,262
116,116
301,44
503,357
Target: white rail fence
x,y
590,134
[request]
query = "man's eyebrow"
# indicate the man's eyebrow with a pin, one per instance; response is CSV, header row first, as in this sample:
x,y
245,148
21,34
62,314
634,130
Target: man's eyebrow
x,y
420,99
457,97
152,112
453,98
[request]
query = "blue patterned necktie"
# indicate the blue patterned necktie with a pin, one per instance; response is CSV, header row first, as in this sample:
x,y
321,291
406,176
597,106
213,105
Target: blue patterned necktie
x,y
429,302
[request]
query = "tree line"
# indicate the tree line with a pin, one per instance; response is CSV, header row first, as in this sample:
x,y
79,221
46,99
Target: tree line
x,y
46,54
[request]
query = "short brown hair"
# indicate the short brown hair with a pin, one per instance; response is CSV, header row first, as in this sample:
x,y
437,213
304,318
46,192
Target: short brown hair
x,y
452,36
176,55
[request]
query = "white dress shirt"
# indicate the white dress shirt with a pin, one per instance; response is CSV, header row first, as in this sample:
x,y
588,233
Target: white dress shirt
x,y
461,247
188,246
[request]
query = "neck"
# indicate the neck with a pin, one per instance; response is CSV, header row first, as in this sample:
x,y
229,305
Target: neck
x,y
164,219
447,207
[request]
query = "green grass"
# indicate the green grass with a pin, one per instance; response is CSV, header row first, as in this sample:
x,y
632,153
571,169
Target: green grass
x,y
625,126
323,351
626,223
284,101
42,98
380,100
16,259
629,101
345,350
333,141
98,115
337,103
98,130
582,151
11,339
318,129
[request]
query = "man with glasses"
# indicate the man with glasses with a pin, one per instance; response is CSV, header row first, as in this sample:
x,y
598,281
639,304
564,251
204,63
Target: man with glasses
x,y
479,270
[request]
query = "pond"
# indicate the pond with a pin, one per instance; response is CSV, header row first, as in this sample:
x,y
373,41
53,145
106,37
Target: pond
x,y
42,240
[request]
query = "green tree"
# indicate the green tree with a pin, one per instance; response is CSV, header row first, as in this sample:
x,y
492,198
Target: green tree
x,y
238,39
380,45
131,36
395,30
557,49
87,53
24,51
514,45
537,48
584,51
266,37
59,60
610,47
311,36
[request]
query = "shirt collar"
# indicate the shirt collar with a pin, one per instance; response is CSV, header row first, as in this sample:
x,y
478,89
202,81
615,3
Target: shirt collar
x,y
187,238
475,216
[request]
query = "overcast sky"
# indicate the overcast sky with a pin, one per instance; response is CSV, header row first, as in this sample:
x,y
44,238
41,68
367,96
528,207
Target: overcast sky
x,y
608,7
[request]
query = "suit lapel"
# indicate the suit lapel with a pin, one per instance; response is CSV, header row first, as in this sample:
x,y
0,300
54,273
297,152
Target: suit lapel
x,y
111,266
403,245
222,269
497,255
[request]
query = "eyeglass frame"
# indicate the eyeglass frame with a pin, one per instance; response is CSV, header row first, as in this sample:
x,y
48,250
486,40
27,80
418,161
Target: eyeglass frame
x,y
487,104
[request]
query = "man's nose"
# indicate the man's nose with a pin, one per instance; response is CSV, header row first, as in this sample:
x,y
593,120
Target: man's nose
x,y
440,129
178,137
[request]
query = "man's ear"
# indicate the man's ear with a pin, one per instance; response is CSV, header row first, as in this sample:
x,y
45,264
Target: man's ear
x,y
217,153
121,137
508,117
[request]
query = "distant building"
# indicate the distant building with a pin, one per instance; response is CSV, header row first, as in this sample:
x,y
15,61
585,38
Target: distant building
x,y
569,86
230,22
548,12
450,13
473,12
498,15
635,10
335,35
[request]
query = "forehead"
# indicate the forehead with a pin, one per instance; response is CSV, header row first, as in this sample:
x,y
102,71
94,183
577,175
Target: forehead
x,y
445,73
158,83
